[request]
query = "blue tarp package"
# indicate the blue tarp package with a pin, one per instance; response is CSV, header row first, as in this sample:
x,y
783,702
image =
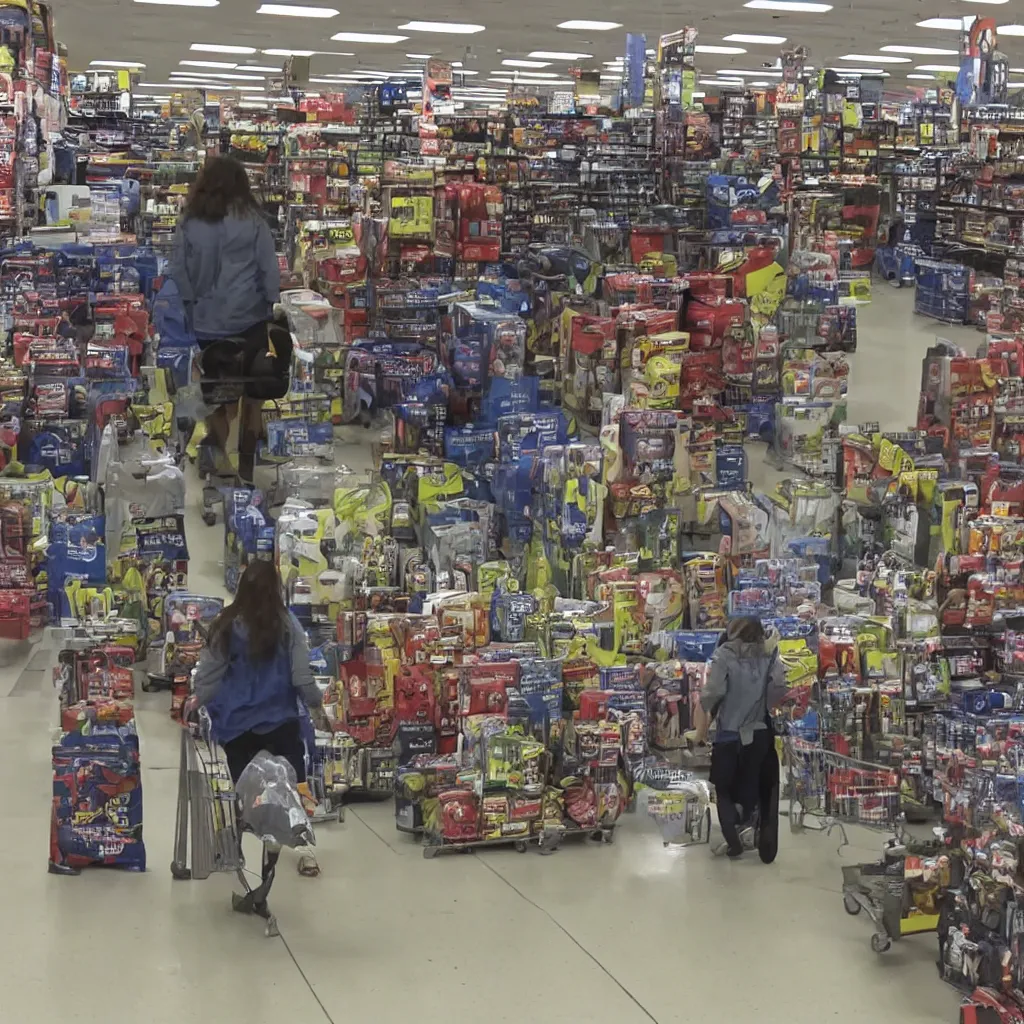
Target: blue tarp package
x,y
540,684
469,445
97,800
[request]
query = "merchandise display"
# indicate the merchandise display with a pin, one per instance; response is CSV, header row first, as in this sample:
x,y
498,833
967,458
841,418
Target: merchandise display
x,y
560,385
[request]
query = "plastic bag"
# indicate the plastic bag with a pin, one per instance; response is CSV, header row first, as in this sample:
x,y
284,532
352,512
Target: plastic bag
x,y
270,803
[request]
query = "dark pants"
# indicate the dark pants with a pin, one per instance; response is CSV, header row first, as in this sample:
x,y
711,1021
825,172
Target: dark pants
x,y
284,741
746,780
218,425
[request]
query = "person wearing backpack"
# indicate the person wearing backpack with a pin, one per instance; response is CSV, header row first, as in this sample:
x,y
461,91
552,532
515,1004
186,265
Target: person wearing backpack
x,y
745,681
225,267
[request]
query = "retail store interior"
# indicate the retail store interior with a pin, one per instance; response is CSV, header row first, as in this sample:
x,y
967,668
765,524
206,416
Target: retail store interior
x,y
621,359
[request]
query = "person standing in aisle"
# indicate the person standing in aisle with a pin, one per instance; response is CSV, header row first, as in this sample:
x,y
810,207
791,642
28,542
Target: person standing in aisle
x,y
225,267
253,673
745,681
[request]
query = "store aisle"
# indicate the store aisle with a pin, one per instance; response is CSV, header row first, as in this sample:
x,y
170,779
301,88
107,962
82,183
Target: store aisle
x,y
628,933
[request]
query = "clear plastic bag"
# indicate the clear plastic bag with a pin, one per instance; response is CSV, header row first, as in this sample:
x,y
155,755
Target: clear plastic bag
x,y
271,807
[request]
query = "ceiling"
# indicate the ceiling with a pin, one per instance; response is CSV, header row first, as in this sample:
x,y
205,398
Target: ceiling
x,y
161,36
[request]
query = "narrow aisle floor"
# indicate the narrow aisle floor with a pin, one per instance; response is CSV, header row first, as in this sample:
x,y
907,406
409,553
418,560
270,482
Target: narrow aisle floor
x,y
627,933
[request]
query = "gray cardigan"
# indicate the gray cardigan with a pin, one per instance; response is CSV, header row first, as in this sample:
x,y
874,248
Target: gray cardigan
x,y
744,682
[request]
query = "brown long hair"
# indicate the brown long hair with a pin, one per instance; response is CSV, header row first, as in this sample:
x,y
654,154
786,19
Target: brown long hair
x,y
221,188
259,606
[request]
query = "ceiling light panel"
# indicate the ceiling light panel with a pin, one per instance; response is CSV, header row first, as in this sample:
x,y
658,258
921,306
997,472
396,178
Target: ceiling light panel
x,y
876,58
923,51
253,67
526,63
364,37
875,72
297,11
220,48
1010,30
742,37
798,6
927,78
589,26
181,3
951,68
419,56
949,24
116,64
451,28
224,65
289,53
560,55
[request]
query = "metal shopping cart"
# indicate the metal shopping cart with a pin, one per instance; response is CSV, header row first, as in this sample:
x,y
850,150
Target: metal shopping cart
x,y
900,892
207,803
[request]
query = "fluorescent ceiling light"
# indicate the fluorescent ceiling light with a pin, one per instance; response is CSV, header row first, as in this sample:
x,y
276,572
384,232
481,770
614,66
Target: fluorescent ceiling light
x,y
590,26
987,1
226,65
252,67
526,63
451,28
733,73
217,74
560,55
364,37
1010,30
951,24
719,49
289,53
924,51
460,71
218,48
498,78
788,5
760,83
419,56
536,74
721,81
116,64
951,68
290,11
248,88
742,37
877,58
181,3
928,78
875,72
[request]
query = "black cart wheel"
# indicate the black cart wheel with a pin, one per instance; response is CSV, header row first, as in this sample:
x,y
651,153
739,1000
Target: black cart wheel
x,y
179,872
850,904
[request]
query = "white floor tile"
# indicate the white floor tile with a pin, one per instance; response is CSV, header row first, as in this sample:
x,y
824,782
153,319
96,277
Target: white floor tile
x,y
626,933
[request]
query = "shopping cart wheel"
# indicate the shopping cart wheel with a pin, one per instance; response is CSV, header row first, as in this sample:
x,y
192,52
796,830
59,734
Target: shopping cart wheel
x,y
179,872
429,852
341,815
880,942
521,846
210,518
850,904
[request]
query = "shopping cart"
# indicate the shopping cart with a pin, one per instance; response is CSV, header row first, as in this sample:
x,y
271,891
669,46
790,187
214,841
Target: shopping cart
x,y
833,790
900,892
207,803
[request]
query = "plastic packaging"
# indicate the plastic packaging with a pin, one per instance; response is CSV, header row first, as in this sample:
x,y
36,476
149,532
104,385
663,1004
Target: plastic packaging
x,y
270,803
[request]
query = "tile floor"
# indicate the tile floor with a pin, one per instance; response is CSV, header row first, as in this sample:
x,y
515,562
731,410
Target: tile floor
x,y
627,933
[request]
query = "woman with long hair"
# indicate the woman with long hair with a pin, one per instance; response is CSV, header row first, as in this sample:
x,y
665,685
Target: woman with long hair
x,y
254,671
225,268
745,681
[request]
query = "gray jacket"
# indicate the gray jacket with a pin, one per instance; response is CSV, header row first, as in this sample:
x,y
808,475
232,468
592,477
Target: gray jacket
x,y
744,682
227,274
